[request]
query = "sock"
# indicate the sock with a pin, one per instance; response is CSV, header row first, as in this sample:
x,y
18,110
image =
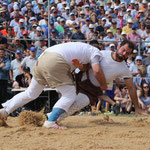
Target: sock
x,y
56,112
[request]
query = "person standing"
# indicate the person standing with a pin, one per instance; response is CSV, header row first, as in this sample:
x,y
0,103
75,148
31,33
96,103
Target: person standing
x,y
4,75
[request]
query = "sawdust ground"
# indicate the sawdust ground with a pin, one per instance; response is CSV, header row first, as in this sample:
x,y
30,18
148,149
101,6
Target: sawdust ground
x,y
83,133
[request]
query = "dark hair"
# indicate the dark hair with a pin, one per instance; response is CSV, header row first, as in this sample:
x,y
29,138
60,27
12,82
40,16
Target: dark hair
x,y
93,42
142,91
130,44
122,86
26,69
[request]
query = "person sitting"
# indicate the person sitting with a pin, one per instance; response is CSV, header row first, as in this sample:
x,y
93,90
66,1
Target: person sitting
x,y
123,98
144,97
23,80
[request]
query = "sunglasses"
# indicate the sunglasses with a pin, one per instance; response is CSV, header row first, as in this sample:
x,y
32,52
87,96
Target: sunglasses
x,y
145,87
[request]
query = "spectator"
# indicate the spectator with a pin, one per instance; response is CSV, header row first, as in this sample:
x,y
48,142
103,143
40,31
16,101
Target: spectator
x,y
65,14
128,27
133,36
60,27
110,38
16,45
85,28
148,70
90,35
29,61
3,41
71,20
128,15
135,67
146,61
123,98
10,34
141,31
23,80
142,77
112,47
144,97
4,75
14,69
78,35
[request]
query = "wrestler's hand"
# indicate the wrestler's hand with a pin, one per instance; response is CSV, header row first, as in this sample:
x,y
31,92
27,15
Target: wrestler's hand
x,y
77,63
139,111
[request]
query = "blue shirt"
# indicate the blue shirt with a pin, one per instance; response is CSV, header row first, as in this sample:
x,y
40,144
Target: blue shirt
x,y
145,101
4,71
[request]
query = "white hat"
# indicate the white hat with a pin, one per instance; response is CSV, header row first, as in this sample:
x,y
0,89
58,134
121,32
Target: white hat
x,y
15,7
149,4
148,44
128,9
123,33
116,7
132,1
130,20
67,8
112,45
21,20
91,26
107,13
104,18
140,11
135,51
63,2
38,29
144,1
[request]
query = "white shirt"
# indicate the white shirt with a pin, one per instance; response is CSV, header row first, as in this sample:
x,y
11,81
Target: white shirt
x,y
76,50
111,68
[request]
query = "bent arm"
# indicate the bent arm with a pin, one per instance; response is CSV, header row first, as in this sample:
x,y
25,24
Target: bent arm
x,y
99,75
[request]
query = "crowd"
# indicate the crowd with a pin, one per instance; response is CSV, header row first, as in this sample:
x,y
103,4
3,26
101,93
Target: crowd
x,y
25,29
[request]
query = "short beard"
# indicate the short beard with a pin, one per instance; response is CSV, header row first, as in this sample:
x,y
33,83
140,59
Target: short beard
x,y
119,57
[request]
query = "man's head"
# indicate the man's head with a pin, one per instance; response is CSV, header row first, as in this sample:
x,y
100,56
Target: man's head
x,y
18,54
2,52
124,50
94,43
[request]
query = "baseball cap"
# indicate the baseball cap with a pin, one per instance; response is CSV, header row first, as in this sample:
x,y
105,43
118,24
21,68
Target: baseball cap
x,y
130,21
137,16
15,7
134,27
53,30
51,23
87,6
112,45
103,19
26,2
123,33
109,31
33,49
38,29
71,14
99,17
91,26
21,20
34,25
87,19
138,58
67,8
4,4
128,9
18,51
32,18
24,32
135,51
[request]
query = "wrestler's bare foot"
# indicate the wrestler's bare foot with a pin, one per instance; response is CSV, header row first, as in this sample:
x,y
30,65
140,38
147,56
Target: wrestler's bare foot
x,y
3,114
